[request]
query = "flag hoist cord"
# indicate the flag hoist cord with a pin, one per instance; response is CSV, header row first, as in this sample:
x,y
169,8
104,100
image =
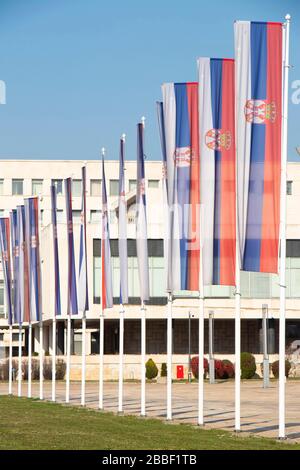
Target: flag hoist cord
x,y
83,358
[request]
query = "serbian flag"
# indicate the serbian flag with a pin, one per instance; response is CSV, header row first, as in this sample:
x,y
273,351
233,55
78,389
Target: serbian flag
x,y
166,205
107,287
34,266
72,307
57,299
141,218
15,265
217,175
123,229
23,266
180,106
83,294
258,51
6,266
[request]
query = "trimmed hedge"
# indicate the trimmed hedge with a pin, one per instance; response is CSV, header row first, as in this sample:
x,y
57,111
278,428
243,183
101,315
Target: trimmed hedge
x,y
195,366
151,369
228,368
163,371
275,368
248,365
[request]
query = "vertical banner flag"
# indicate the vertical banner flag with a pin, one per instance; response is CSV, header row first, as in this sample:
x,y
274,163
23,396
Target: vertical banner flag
x,y
72,307
258,50
23,266
166,205
57,299
83,295
180,105
123,230
141,218
5,257
34,266
107,288
217,175
15,265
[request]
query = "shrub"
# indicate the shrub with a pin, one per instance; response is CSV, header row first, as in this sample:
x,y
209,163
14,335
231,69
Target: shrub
x,y
219,369
35,369
195,366
47,369
228,369
60,369
275,368
248,365
163,371
151,369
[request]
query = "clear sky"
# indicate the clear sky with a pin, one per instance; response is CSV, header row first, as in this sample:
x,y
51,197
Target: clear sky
x,y
79,73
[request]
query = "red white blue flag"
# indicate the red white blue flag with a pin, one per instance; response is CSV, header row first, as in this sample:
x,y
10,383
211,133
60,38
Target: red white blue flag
x,y
6,265
83,294
57,299
180,105
123,229
217,174
33,253
72,306
107,287
15,265
141,218
259,67
23,266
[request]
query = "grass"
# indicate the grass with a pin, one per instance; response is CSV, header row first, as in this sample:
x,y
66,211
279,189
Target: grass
x,y
33,425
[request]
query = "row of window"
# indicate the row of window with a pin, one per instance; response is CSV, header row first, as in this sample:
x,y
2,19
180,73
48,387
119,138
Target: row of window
x,y
95,186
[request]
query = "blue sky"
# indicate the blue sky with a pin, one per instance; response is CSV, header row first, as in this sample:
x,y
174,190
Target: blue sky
x,y
79,73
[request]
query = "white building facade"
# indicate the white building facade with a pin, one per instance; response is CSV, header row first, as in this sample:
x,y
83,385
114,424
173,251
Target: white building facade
x,y
20,179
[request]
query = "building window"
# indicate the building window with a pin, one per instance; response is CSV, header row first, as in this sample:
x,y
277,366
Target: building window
x,y
132,185
76,216
95,216
76,188
77,343
1,187
17,187
113,187
15,337
37,187
153,183
289,188
59,186
1,337
95,188
131,211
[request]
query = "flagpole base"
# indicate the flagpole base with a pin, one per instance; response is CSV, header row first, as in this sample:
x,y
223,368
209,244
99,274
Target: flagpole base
x,y
143,415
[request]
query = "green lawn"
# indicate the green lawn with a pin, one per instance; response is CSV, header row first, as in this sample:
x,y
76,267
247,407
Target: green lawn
x,y
33,424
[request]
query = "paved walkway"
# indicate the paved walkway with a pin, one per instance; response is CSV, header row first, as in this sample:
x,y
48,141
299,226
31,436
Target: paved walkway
x,y
259,407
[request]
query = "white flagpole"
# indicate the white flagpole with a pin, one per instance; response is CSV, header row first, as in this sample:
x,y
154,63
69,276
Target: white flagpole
x,y
10,361
53,391
201,347
169,356
20,363
68,359
41,354
101,359
83,359
237,333
143,359
121,358
283,230
29,358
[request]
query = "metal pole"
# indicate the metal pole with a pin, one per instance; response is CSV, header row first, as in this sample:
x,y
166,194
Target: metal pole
x,y
41,361
53,391
282,281
101,360
83,358
121,358
68,359
169,356
189,347
237,341
29,359
211,348
20,363
143,359
201,331
10,361
265,346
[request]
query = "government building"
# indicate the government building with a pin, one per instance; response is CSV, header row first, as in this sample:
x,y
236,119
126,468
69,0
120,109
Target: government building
x,y
23,178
